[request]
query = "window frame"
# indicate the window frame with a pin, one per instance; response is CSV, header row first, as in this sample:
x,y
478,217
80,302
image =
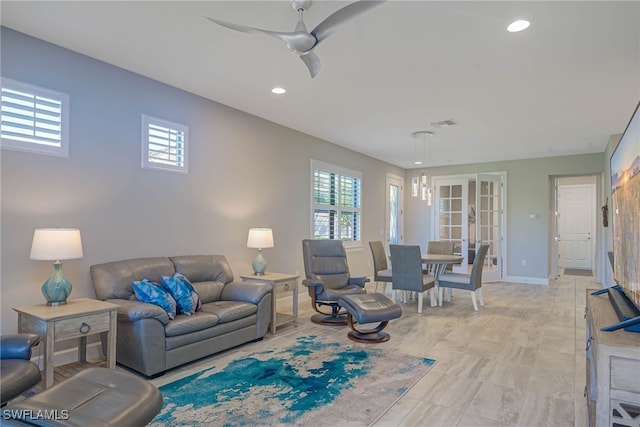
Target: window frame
x,y
146,163
34,145
340,172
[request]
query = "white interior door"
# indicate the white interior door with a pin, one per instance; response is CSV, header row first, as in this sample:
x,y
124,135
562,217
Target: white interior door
x,y
488,223
394,210
452,220
576,225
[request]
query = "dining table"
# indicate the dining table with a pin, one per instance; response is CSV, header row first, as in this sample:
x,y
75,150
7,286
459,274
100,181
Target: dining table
x,y
437,263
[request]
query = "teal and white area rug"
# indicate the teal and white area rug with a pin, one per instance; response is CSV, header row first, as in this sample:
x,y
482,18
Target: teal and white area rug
x,y
311,382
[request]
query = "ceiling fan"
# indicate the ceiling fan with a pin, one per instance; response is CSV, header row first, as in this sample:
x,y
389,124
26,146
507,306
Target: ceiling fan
x,y
302,42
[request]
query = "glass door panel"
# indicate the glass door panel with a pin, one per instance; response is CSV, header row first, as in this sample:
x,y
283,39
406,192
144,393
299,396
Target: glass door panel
x,y
488,223
394,210
451,195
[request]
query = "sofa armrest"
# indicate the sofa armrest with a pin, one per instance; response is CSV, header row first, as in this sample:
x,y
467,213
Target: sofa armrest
x,y
245,291
358,280
130,311
17,346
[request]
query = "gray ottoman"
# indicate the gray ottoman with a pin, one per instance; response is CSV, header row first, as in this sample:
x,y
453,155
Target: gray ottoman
x,y
95,397
369,308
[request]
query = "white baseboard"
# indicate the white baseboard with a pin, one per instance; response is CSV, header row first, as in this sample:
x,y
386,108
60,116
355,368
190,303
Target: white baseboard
x,y
526,280
62,357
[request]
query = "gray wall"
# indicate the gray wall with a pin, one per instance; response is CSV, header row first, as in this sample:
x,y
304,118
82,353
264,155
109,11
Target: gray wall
x,y
243,172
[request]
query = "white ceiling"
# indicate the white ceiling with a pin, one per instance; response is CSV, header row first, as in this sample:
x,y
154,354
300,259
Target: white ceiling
x,y
561,87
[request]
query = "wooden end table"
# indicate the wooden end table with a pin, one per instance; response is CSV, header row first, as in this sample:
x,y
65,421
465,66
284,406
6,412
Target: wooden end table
x,y
76,319
278,280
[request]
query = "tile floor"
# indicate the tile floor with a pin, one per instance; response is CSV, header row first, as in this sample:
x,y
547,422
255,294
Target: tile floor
x,y
518,361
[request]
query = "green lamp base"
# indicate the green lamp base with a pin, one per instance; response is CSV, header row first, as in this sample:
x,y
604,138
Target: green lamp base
x,y
57,288
259,264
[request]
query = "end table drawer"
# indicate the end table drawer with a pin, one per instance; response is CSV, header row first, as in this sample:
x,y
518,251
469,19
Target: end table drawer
x,y
81,326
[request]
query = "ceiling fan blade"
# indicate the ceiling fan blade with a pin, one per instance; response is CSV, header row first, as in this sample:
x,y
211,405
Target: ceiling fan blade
x,y
297,41
312,62
347,13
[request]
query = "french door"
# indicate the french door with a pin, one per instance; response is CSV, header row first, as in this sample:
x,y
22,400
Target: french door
x,y
469,213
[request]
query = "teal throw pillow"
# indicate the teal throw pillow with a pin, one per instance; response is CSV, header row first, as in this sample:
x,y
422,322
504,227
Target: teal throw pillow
x,y
180,288
153,293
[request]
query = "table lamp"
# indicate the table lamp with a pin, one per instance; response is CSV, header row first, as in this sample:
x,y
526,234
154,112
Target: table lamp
x,y
260,238
56,244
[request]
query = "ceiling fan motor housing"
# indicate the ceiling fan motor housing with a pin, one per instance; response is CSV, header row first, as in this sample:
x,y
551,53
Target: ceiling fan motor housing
x,y
300,4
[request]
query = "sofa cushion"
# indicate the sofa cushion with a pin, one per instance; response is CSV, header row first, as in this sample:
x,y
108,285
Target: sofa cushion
x,y
203,268
181,290
153,293
183,324
112,280
228,311
208,291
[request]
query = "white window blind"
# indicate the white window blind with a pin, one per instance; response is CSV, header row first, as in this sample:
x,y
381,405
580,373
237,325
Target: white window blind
x,y
164,145
336,202
34,119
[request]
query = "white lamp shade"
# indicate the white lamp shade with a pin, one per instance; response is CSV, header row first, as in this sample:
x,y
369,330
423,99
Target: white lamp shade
x,y
260,238
55,244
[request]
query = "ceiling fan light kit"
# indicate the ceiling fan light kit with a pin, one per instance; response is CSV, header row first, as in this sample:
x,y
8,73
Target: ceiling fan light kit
x,y
302,42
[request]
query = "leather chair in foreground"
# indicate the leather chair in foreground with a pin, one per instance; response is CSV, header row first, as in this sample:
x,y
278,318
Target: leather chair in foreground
x,y
328,279
17,372
94,397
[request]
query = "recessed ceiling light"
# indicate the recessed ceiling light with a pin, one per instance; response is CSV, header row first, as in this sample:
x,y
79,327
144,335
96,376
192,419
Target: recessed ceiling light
x,y
518,25
278,90
417,162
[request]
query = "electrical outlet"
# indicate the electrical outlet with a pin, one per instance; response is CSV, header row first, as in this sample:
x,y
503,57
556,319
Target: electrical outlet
x,y
524,262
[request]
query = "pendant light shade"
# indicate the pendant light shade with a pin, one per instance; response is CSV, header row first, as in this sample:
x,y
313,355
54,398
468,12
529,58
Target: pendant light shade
x,y
420,185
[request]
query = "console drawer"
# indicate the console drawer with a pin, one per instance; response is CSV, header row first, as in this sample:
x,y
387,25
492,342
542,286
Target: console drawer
x,y
625,374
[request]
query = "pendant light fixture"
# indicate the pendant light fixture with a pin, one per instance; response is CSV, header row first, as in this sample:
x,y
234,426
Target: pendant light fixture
x,y
420,184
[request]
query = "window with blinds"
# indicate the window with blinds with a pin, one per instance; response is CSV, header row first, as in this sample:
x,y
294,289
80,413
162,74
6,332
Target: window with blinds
x,y
34,119
337,201
164,145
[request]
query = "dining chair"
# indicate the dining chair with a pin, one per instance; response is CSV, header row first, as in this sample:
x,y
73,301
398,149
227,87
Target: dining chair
x,y
467,282
441,247
381,270
407,274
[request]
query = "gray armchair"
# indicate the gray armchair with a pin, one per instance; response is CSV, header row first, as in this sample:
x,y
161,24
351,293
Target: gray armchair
x,y
468,282
328,279
408,274
17,372
381,271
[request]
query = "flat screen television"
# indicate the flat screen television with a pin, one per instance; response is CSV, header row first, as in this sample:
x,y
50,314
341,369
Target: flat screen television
x,y
625,214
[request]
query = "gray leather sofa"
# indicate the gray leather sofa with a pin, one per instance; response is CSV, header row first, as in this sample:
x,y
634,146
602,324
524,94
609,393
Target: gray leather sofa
x,y
232,313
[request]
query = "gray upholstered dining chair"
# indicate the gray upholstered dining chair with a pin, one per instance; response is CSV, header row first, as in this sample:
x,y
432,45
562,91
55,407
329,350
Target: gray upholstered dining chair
x,y
441,247
381,271
328,279
407,273
468,282
17,372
